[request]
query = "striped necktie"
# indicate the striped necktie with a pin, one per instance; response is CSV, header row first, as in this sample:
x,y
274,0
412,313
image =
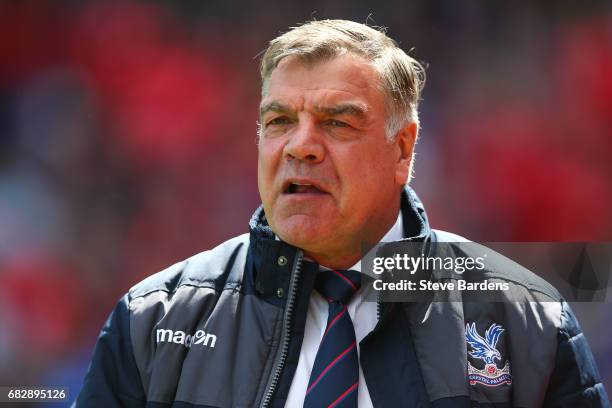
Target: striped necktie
x,y
335,375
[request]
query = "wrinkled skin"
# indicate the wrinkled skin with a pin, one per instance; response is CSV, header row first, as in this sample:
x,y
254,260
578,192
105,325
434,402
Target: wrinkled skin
x,y
329,179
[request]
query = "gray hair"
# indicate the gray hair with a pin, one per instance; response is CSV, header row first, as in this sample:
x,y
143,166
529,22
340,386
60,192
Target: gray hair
x,y
401,77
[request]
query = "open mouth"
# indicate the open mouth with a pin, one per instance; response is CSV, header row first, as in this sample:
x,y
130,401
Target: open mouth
x,y
302,188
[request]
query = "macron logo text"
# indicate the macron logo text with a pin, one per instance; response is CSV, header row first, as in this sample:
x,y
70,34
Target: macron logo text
x,y
200,337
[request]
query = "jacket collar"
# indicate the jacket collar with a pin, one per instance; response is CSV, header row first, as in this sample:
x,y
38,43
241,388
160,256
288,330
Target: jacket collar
x,y
414,217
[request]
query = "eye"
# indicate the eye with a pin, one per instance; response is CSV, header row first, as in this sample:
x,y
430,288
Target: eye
x,y
336,123
281,120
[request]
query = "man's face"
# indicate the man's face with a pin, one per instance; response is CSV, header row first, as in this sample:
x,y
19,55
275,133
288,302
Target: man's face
x,y
328,178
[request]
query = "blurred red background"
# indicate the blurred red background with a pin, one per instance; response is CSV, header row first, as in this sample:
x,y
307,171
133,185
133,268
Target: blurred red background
x,y
127,142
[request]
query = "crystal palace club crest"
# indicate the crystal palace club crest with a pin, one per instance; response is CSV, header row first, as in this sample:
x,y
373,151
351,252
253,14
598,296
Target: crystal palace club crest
x,y
485,349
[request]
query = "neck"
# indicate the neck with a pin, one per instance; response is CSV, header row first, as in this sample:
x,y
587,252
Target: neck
x,y
346,256
335,261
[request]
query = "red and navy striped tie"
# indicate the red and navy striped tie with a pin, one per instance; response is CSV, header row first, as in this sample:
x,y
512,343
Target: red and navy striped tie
x,y
335,375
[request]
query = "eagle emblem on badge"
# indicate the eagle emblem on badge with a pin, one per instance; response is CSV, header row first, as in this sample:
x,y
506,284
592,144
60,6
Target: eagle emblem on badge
x,y
485,349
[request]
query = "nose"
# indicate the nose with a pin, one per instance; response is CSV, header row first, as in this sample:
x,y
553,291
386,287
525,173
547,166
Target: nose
x,y
305,143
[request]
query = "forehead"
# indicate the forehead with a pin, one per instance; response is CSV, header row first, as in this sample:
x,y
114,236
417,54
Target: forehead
x,y
345,78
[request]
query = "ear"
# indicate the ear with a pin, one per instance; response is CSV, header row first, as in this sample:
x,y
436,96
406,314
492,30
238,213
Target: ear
x,y
405,141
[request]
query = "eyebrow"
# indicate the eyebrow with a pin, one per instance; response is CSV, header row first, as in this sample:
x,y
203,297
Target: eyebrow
x,y
274,107
341,109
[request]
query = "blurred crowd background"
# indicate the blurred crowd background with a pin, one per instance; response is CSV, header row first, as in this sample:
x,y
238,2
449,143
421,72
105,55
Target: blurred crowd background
x,y
127,143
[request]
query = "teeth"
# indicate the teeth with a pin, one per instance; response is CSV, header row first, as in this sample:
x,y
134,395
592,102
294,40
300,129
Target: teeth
x,y
295,186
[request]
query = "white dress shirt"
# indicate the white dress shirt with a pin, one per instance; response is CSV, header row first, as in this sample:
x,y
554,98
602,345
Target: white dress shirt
x,y
364,316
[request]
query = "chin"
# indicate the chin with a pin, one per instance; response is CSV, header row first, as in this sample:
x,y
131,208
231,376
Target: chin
x,y
301,231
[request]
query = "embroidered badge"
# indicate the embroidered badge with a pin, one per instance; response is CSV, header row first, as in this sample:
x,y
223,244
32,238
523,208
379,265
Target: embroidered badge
x,y
485,349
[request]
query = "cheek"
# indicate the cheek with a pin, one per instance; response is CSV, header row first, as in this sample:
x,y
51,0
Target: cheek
x,y
368,181
367,167
265,158
268,159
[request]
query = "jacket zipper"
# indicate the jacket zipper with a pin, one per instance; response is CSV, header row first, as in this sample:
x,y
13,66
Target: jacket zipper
x,y
286,334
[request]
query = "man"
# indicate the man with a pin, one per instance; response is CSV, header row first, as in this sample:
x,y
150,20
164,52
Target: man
x,y
278,317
